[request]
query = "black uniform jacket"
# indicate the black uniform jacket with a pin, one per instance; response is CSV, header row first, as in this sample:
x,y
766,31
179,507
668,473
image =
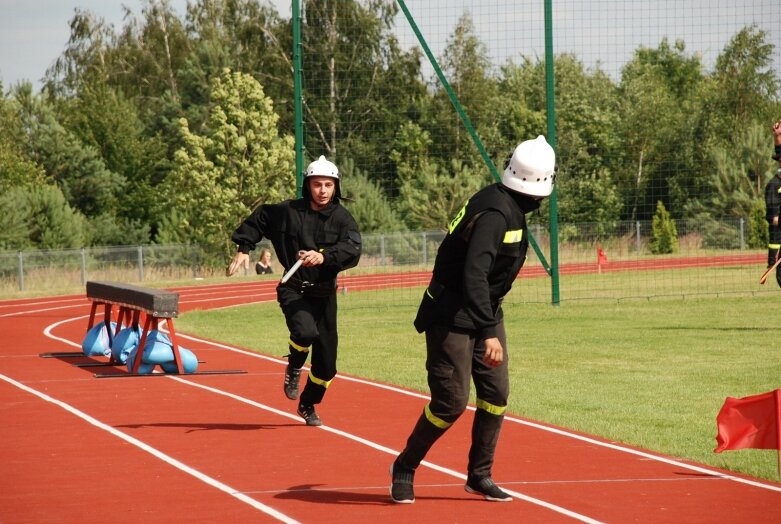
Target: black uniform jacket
x,y
773,198
477,262
292,226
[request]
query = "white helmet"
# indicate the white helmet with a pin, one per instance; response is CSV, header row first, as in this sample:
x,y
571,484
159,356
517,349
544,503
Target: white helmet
x,y
322,167
531,169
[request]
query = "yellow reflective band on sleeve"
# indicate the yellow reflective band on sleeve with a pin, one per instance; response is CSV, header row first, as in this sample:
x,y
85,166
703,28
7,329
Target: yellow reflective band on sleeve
x,y
490,408
459,216
513,237
319,382
295,346
438,422
429,294
774,246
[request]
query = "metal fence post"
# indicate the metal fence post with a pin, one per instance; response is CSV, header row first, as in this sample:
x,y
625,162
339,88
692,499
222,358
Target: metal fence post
x,y
382,250
21,272
141,263
742,239
195,260
425,249
637,236
83,267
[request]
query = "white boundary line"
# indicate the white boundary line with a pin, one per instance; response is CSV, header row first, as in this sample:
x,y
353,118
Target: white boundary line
x,y
271,511
384,449
343,434
515,420
156,453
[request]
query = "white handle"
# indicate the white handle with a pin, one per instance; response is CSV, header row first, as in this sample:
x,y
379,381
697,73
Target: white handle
x,y
291,271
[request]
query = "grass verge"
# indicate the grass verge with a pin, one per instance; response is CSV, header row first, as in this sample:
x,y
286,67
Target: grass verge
x,y
648,373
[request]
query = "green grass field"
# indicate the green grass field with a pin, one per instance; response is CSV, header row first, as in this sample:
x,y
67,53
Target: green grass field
x,y
649,373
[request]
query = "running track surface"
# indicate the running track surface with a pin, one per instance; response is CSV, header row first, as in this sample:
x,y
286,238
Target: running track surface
x,y
229,448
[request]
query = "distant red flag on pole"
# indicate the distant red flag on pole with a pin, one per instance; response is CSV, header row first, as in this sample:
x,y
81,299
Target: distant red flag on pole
x,y
601,258
750,422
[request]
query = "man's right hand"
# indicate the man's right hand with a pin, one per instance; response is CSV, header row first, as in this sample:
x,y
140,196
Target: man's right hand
x,y
494,354
239,259
777,132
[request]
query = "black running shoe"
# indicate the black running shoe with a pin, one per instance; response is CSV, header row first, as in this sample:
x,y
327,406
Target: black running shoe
x,y
308,413
487,488
291,382
401,491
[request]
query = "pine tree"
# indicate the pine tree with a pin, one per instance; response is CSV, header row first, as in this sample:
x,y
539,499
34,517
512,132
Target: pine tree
x,y
757,226
664,235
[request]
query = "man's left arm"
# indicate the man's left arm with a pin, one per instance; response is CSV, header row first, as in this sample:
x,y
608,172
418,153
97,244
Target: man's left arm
x,y
347,251
484,242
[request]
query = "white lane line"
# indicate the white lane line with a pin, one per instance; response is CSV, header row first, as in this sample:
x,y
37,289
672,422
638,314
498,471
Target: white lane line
x,y
156,453
29,311
341,433
380,447
511,419
515,420
50,327
39,302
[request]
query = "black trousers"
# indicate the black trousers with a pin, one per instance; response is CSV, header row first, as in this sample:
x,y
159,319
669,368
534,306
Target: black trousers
x,y
453,358
312,323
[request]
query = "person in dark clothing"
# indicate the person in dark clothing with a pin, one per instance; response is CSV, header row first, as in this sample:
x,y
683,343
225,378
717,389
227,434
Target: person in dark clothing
x,y
773,206
318,231
263,265
462,318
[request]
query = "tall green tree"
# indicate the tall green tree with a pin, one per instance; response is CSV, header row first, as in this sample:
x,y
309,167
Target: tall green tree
x,y
236,162
659,89
16,167
747,82
467,66
103,118
360,87
77,168
367,202
739,174
432,195
39,217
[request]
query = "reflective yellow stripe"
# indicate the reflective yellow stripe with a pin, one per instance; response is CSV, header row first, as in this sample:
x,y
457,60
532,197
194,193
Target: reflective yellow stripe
x,y
490,408
295,346
774,246
459,216
438,422
513,237
429,294
319,382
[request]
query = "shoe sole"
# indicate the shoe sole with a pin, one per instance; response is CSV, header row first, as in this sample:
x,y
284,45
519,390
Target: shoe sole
x,y
390,490
486,497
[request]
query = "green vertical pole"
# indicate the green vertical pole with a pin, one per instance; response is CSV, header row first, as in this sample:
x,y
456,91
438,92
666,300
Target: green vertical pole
x,y
551,116
297,96
462,114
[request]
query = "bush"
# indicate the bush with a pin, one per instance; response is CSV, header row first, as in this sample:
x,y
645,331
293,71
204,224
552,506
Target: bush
x,y
664,235
757,226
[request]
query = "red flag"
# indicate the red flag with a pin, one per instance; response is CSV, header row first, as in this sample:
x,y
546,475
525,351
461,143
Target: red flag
x,y
750,422
601,256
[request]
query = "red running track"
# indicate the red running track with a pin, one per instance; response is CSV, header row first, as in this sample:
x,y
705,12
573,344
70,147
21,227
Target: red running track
x,y
230,448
